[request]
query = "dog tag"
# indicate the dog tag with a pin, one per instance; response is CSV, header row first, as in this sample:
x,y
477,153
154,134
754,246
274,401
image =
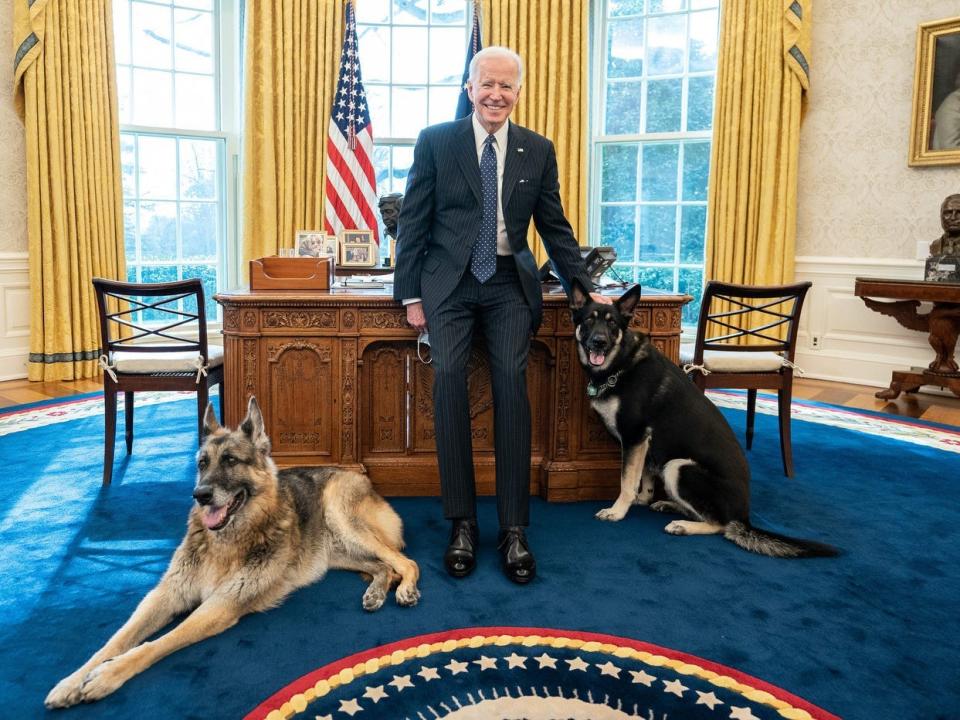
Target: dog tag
x,y
591,390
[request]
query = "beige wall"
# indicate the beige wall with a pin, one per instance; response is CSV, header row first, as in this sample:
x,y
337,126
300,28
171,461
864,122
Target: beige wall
x,y
857,197
13,171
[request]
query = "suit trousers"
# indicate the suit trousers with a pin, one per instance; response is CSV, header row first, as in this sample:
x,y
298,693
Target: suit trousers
x,y
499,310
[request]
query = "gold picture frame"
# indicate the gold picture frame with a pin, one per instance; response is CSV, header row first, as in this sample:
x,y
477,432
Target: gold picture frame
x,y
935,121
358,249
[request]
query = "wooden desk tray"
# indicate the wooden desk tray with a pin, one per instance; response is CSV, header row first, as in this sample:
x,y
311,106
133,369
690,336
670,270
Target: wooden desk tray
x,y
290,273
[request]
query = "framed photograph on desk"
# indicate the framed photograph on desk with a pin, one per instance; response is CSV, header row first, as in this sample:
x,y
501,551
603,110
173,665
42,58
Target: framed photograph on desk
x,y
358,249
310,243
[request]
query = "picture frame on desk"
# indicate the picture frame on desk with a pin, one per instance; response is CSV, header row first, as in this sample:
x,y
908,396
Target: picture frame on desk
x,y
358,249
311,243
935,120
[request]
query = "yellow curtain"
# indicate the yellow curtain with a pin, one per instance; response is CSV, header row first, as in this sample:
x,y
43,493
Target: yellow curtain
x,y
65,91
762,79
291,60
551,37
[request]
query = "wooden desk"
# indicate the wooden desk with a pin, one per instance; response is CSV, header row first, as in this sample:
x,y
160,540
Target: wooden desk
x,y
337,377
942,324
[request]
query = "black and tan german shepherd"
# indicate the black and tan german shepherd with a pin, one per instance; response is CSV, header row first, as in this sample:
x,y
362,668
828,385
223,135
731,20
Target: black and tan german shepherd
x,y
679,453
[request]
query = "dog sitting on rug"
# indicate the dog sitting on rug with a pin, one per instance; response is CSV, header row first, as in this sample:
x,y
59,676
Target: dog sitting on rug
x,y
679,453
253,537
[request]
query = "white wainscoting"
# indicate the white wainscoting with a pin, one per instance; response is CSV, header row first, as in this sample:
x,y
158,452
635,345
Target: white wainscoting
x,y
840,339
14,315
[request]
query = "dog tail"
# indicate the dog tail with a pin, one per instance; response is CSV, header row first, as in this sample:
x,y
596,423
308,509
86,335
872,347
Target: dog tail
x,y
769,543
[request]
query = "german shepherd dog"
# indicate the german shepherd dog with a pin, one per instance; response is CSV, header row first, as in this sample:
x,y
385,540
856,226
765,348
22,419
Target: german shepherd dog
x,y
679,453
253,537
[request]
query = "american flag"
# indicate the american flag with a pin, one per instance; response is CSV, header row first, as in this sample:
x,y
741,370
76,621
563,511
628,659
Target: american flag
x,y
351,193
474,45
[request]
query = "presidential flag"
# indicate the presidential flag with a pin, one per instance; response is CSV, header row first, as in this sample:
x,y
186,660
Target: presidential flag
x,y
351,191
474,45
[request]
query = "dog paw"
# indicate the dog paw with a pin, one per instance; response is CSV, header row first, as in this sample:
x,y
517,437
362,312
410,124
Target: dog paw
x,y
611,514
65,693
408,596
373,599
104,679
677,527
663,506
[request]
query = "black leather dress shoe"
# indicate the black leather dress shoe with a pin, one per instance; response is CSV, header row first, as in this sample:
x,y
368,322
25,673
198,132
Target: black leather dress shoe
x,y
461,555
518,562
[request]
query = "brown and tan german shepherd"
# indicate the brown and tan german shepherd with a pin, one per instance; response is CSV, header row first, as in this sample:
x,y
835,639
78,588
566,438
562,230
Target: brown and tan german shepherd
x,y
253,537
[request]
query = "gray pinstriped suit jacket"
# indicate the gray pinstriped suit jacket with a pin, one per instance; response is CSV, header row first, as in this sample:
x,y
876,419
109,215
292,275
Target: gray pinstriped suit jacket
x,y
441,212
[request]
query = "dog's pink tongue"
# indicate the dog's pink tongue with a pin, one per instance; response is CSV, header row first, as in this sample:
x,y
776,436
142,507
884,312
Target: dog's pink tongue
x,y
597,358
213,516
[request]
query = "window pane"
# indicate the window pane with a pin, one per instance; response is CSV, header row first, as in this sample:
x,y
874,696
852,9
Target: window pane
x,y
449,12
659,181
198,230
121,32
198,169
625,48
208,276
375,53
446,44
443,103
130,230
378,103
664,102
151,35
660,278
623,108
402,160
410,116
703,41
659,6
666,44
195,96
152,98
693,230
658,225
373,11
700,103
158,230
409,55
410,12
381,165
618,226
619,168
625,7
697,4
194,41
691,283
158,167
128,165
199,4
123,94
696,169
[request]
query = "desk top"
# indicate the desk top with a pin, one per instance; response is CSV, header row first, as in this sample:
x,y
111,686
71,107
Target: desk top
x,y
944,292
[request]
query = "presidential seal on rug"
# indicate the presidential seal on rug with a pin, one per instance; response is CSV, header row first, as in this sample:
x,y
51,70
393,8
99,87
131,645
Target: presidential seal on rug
x,y
254,536
679,453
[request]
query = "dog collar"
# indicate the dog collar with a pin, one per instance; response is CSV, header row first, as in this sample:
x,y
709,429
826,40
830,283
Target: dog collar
x,y
595,391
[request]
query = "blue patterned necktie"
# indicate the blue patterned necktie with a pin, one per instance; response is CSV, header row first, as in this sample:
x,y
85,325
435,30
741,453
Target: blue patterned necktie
x,y
483,262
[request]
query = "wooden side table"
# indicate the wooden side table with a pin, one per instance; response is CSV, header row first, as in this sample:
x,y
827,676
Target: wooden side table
x,y
942,324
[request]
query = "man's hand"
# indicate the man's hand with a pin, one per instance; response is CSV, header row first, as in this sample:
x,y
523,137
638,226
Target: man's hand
x,y
598,298
416,318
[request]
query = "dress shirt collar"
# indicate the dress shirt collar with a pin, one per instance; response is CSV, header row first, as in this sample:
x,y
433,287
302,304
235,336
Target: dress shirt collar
x,y
480,134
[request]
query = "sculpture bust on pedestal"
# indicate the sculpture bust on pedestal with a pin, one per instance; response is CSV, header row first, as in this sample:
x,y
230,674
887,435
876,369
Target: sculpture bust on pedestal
x,y
943,265
390,212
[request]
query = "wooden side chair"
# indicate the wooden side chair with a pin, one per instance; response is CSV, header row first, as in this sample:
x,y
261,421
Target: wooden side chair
x,y
140,329
739,345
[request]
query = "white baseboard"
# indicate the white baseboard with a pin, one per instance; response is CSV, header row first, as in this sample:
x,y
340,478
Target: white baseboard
x,y
840,338
14,315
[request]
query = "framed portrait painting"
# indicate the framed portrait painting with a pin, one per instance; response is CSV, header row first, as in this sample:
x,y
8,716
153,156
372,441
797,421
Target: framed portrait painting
x,y
935,123
358,249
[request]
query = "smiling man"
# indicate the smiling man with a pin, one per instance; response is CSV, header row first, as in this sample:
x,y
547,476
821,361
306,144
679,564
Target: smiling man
x,y
463,264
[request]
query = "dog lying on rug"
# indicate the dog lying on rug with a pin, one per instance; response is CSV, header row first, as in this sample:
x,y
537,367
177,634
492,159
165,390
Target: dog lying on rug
x,y
253,537
675,441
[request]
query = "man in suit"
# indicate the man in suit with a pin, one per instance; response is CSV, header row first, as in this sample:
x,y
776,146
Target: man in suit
x,y
463,263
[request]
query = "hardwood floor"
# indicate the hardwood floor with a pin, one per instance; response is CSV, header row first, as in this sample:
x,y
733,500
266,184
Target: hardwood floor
x,y
936,408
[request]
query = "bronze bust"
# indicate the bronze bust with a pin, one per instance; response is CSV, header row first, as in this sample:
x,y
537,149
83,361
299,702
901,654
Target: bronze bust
x,y
390,212
943,265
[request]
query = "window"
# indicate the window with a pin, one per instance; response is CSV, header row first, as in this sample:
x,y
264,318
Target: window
x,y
175,139
651,139
411,57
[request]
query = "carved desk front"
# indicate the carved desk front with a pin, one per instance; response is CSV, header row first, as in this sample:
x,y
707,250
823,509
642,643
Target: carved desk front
x,y
339,382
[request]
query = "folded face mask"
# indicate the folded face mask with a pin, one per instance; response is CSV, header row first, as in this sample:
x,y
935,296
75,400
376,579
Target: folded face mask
x,y
424,339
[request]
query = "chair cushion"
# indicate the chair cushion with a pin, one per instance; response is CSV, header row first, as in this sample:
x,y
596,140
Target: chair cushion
x,y
734,361
146,363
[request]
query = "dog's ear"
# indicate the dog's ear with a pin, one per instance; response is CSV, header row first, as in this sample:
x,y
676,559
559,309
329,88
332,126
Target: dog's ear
x,y
579,296
252,426
210,424
628,301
